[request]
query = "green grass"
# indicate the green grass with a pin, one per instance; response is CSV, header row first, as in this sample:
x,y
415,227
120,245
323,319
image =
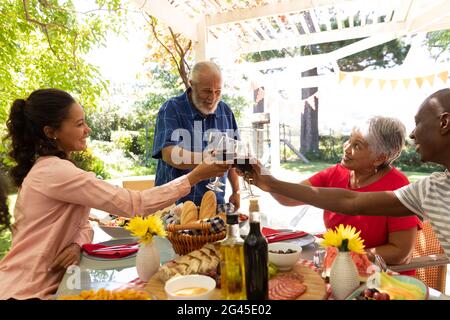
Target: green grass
x,y
313,167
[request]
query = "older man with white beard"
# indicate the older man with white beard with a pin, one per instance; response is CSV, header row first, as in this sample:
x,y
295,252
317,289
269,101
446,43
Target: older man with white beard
x,y
181,128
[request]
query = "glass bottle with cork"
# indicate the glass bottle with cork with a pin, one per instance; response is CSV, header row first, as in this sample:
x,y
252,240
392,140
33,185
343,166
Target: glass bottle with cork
x,y
232,261
256,257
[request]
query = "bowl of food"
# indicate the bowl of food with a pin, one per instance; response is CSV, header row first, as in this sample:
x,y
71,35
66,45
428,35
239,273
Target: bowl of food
x,y
190,287
114,227
284,255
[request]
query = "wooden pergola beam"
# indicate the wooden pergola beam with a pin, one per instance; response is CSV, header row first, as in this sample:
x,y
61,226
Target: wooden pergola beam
x,y
320,37
171,16
275,9
429,17
303,63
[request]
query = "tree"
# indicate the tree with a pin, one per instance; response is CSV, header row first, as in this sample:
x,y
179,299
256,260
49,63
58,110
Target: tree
x,y
43,44
172,51
439,43
173,56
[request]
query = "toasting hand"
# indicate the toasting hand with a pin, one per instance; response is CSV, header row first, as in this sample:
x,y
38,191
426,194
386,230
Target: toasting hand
x,y
260,176
207,169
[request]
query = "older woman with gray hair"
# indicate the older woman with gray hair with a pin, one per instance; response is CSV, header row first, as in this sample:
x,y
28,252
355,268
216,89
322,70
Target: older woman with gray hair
x,y
366,165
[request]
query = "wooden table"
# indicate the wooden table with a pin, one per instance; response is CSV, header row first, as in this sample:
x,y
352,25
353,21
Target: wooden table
x,y
316,286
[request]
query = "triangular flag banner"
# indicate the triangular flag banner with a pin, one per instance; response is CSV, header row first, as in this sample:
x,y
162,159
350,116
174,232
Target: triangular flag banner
x,y
419,81
356,80
394,83
443,76
430,79
406,82
367,82
341,76
382,83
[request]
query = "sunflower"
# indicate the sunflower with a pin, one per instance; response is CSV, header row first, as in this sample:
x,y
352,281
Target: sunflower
x,y
146,228
344,238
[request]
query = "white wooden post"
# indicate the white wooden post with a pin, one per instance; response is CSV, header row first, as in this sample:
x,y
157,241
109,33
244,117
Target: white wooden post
x,y
200,46
274,108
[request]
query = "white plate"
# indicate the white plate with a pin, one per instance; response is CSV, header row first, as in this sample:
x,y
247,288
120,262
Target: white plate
x,y
303,241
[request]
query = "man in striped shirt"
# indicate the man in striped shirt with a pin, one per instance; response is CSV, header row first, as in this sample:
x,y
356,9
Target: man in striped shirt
x,y
182,128
428,198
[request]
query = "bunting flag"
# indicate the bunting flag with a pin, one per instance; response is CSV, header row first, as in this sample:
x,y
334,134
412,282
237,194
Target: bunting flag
x,y
394,83
430,79
406,82
443,76
420,81
356,80
367,82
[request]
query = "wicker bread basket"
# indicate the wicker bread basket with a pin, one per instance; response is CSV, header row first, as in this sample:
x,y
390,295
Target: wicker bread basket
x,y
184,243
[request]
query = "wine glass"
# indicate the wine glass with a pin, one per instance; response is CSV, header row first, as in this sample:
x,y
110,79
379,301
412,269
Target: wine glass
x,y
215,142
242,161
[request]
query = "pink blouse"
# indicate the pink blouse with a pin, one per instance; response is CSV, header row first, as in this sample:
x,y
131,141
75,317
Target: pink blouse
x,y
52,211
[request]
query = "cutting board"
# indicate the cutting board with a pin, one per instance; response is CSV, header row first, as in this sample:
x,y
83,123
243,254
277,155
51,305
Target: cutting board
x,y
316,286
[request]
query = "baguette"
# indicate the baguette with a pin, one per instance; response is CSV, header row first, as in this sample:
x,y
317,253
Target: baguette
x,y
189,212
208,207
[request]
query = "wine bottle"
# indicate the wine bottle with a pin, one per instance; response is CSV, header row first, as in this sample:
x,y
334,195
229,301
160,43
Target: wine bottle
x,y
256,257
232,261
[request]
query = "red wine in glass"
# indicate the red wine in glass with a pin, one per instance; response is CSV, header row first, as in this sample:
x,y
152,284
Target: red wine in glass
x,y
243,164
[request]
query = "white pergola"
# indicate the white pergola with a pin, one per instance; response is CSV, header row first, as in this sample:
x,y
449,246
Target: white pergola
x,y
229,28
224,27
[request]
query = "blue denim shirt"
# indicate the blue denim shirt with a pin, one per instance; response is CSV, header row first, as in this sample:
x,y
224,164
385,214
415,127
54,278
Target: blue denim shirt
x,y
179,113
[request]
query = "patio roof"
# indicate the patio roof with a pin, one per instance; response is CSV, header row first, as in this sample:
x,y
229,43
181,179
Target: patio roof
x,y
228,28
219,27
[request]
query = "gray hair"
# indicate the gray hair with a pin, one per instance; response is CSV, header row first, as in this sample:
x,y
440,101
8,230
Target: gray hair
x,y
203,66
384,135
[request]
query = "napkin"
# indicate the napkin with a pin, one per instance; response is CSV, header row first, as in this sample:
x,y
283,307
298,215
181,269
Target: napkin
x,y
120,251
273,235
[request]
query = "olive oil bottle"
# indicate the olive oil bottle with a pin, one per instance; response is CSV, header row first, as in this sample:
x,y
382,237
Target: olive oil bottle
x,y
232,261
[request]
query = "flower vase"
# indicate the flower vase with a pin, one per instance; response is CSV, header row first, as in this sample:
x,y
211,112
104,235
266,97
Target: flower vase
x,y
147,260
344,277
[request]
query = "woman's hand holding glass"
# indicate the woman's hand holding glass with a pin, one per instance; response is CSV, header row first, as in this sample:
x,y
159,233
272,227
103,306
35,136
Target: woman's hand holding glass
x,y
259,176
209,168
214,147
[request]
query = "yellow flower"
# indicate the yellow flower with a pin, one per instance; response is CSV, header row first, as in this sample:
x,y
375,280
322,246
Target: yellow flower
x,y
146,228
332,239
335,238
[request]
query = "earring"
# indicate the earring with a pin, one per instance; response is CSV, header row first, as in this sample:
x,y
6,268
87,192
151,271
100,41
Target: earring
x,y
54,138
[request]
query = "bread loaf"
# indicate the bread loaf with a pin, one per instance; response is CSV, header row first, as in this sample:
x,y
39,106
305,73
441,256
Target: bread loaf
x,y
201,261
189,212
208,207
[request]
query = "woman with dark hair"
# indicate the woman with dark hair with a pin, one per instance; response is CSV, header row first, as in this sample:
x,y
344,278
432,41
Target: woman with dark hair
x,y
54,199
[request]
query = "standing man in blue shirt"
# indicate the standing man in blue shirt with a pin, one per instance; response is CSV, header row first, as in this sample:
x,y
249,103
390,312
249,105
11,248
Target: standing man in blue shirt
x,y
181,130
